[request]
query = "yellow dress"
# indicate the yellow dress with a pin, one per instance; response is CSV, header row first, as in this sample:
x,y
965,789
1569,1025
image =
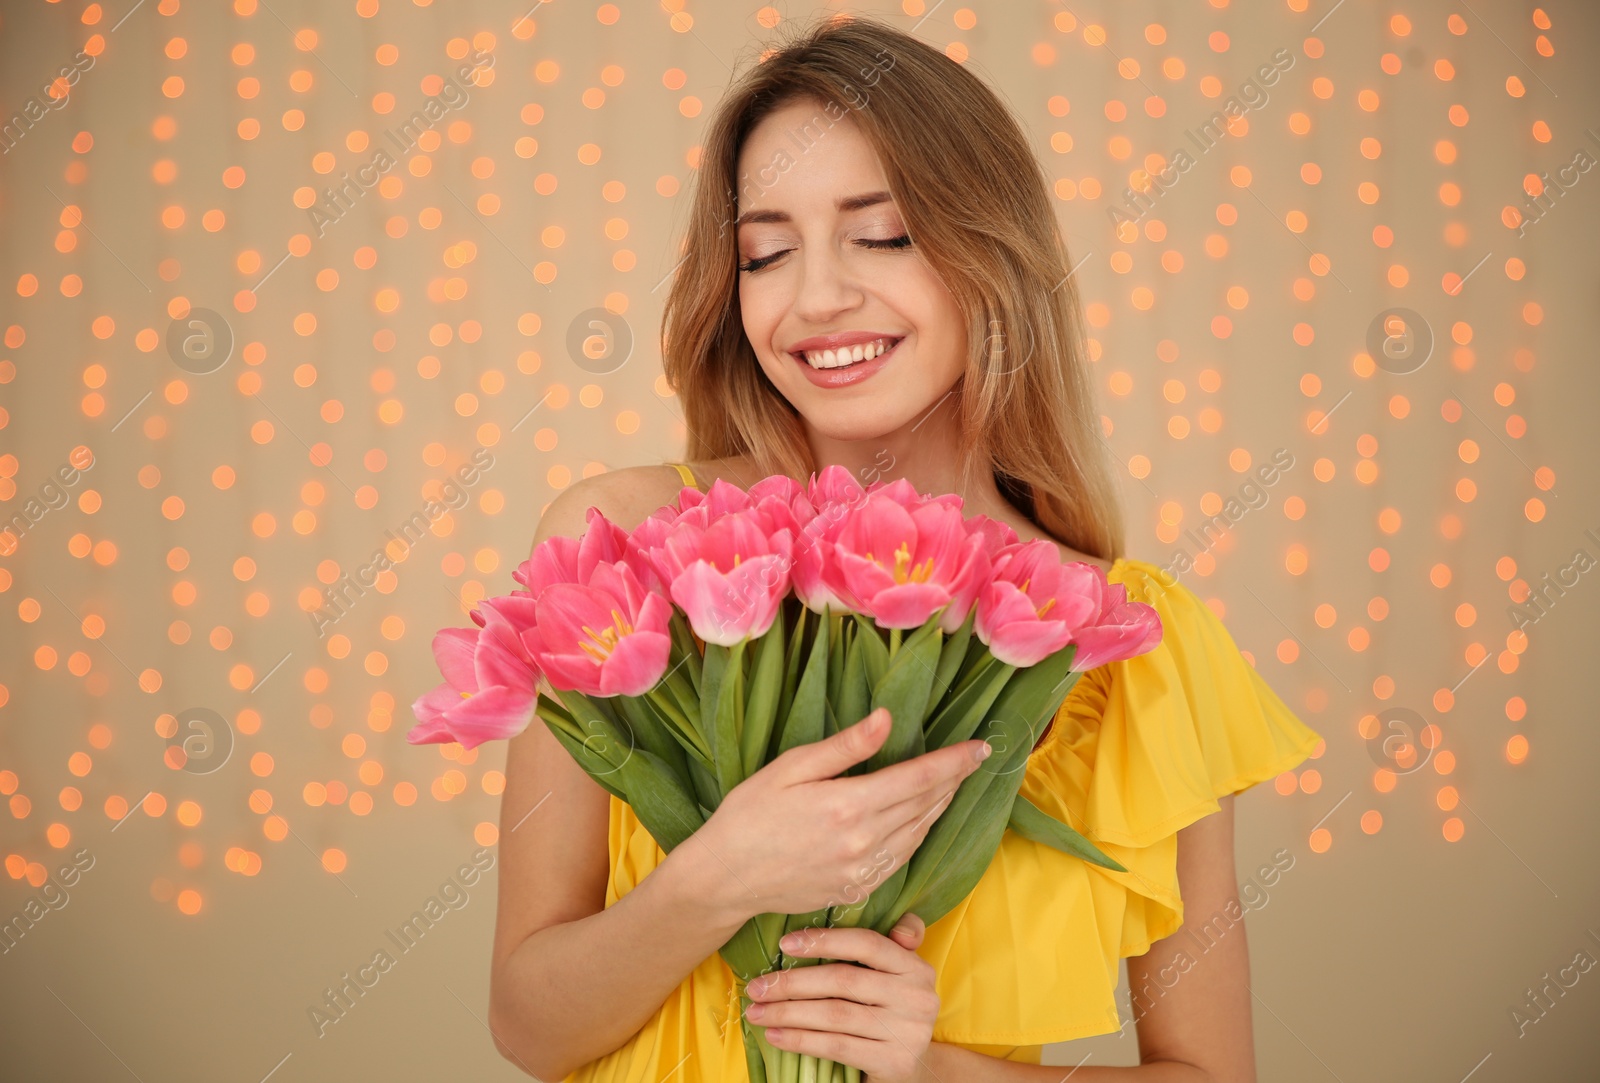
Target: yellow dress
x,y
1139,749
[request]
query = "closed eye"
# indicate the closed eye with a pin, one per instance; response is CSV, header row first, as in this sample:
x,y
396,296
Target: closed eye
x,y
902,241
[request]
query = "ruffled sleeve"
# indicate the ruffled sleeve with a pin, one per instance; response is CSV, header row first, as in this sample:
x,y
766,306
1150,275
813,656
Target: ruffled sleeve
x,y
1139,750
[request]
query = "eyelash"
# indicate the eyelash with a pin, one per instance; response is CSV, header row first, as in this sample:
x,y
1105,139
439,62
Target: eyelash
x,y
902,241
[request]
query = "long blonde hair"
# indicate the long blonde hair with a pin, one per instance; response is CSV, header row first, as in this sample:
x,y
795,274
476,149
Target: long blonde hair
x,y
975,202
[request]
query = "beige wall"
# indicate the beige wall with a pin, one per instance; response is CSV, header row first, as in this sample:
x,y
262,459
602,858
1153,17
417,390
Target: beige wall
x,y
426,321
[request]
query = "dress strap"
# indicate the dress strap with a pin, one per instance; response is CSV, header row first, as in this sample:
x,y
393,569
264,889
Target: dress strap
x,y
686,474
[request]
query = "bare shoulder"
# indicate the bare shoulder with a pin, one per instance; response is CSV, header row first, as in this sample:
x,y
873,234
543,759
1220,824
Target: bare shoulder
x,y
626,496
737,470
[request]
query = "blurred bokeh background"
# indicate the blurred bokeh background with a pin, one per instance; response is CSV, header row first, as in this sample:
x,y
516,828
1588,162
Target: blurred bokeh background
x,y
286,286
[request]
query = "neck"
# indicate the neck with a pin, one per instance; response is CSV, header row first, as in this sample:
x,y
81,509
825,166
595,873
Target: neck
x,y
923,454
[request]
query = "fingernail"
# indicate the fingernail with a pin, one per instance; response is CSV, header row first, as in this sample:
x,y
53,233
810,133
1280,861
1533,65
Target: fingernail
x,y
757,987
983,751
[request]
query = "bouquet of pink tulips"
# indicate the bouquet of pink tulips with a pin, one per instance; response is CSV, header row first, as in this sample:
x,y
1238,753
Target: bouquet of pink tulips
x,y
692,650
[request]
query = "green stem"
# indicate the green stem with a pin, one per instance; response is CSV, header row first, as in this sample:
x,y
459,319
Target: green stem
x,y
894,642
683,693
672,711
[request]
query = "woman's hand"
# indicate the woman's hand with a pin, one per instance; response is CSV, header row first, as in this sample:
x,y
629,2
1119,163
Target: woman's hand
x,y
878,1018
794,838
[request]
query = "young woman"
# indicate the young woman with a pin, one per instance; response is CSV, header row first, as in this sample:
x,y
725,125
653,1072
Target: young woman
x,y
874,277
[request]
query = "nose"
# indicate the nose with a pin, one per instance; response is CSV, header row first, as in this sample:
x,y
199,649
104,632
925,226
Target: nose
x,y
828,286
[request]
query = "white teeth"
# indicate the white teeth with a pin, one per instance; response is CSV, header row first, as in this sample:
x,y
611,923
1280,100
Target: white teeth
x,y
848,355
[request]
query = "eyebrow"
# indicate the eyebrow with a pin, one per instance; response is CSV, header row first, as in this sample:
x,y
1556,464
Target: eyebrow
x,y
845,204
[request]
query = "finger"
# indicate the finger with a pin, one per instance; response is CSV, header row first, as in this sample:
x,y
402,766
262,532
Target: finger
x,y
828,1015
863,946
932,771
922,808
828,981
874,1058
830,756
903,840
909,931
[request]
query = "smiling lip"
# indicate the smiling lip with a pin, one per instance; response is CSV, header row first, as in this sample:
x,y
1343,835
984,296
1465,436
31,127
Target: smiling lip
x,y
849,374
838,339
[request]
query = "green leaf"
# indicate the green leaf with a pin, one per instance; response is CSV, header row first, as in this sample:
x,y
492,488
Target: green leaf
x,y
689,740
651,731
704,784
853,698
928,860
977,816
761,708
799,629
806,720
599,727
976,649
547,702
722,705
685,651
874,652
958,718
883,898
966,860
660,799
838,645
905,689
603,773
951,654
1033,823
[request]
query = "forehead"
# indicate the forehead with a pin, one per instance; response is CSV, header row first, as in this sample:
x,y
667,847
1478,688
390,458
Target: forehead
x,y
806,156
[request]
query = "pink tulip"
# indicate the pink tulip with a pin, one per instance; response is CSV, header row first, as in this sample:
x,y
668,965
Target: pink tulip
x,y
1123,629
996,535
899,566
729,578
1035,604
834,484
813,551
489,691
560,559
606,637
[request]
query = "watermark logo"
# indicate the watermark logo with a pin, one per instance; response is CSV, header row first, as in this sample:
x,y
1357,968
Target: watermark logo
x,y
337,202
599,341
1397,739
50,497
1249,95
200,742
51,897
1252,495
339,999
1539,1002
1399,340
1552,588
201,342
1535,207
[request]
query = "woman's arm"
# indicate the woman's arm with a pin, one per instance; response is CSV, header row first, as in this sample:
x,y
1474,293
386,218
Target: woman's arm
x,y
1196,1028
564,987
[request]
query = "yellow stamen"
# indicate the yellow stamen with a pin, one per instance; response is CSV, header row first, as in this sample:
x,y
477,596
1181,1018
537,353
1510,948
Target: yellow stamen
x,y
917,573
605,640
902,561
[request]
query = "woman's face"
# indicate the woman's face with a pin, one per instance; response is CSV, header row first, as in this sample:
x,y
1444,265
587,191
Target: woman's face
x,y
822,269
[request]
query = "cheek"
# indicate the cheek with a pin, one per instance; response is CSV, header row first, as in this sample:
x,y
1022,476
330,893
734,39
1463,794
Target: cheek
x,y
760,312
